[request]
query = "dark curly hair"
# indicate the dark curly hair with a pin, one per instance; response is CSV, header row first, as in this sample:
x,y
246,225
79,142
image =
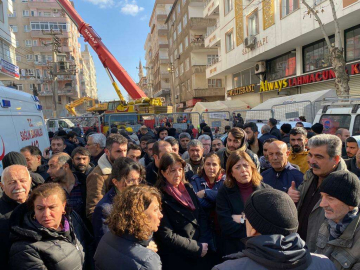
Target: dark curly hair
x,y
166,161
127,215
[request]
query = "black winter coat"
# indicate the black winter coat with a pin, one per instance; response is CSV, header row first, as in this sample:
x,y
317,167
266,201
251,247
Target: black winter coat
x,y
181,233
7,206
36,247
151,173
228,203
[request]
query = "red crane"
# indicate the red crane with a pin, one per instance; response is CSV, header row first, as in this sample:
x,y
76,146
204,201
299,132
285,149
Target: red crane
x,y
107,59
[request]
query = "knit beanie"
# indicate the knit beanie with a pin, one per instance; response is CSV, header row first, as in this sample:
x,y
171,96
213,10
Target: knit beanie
x,y
317,128
13,158
271,211
342,185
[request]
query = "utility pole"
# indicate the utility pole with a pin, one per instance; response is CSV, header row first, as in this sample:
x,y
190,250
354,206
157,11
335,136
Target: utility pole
x,y
172,72
56,68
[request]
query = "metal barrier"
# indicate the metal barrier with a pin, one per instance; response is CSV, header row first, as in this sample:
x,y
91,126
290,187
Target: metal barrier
x,y
289,111
133,120
70,123
218,119
180,120
254,115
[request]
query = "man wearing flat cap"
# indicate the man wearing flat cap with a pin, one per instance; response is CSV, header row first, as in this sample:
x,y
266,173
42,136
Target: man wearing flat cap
x,y
339,235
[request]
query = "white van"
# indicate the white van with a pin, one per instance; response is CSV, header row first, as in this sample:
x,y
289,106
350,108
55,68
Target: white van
x,y
22,122
54,124
340,115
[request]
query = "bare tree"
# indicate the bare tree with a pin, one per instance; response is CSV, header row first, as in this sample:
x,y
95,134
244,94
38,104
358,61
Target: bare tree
x,y
336,52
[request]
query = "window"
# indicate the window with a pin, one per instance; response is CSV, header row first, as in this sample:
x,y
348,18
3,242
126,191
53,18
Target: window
x,y
187,64
228,6
185,20
178,8
19,87
39,87
37,58
170,42
334,122
26,28
13,15
25,13
38,74
181,69
47,14
179,28
175,53
229,40
31,86
214,83
174,35
184,2
17,43
253,23
352,43
282,66
29,57
176,72
288,6
316,55
18,58
212,59
14,28
39,13
49,25
32,13
245,77
180,48
28,43
35,43
186,41
49,58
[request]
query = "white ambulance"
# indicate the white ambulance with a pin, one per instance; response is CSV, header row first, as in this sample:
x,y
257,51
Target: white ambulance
x,y
21,122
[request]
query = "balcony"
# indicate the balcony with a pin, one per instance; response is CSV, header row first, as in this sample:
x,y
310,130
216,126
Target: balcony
x,y
212,39
197,43
201,23
61,19
211,8
39,34
162,32
209,92
214,69
42,5
198,69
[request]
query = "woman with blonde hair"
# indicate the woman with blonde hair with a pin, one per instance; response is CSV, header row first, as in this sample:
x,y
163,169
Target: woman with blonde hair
x,y
242,179
183,237
135,216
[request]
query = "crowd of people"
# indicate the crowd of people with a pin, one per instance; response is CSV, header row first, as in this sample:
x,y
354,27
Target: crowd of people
x,y
170,199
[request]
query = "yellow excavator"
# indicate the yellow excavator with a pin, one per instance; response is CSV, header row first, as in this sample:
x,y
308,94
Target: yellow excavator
x,y
71,106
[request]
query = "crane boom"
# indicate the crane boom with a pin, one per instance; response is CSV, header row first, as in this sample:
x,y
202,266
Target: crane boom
x,y
107,59
71,106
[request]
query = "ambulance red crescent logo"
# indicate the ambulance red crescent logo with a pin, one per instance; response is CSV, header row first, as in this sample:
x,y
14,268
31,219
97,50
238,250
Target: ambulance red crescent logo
x,y
3,146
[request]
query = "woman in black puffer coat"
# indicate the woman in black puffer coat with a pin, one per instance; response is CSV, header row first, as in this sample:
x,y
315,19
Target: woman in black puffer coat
x,y
45,236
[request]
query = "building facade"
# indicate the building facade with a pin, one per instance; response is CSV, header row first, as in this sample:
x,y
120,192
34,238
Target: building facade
x,y
9,71
32,22
268,49
189,57
90,89
156,52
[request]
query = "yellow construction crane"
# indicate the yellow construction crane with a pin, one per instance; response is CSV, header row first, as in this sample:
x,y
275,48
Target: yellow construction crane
x,y
71,106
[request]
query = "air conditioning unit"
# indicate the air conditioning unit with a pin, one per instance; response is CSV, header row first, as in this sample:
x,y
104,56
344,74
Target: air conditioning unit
x,y
260,67
250,41
177,56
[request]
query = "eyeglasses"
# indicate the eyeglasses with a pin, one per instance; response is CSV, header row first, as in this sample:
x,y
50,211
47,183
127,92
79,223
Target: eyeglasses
x,y
134,181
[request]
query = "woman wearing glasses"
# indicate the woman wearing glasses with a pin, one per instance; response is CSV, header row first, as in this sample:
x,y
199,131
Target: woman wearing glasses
x,y
242,179
183,237
125,172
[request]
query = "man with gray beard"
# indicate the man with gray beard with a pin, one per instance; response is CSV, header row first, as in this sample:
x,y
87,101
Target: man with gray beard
x,y
324,157
16,184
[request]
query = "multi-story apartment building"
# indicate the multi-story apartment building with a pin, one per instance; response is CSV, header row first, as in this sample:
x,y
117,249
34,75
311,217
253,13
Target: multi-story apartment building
x,y
188,55
142,79
88,63
156,48
32,21
9,71
269,48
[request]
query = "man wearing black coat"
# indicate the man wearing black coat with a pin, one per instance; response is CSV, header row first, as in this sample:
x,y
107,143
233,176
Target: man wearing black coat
x,y
274,130
16,184
159,149
34,160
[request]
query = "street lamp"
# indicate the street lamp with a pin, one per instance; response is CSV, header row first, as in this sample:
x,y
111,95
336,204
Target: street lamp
x,y
172,72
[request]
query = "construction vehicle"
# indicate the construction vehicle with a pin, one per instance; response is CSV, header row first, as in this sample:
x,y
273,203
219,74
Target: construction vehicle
x,y
113,67
71,106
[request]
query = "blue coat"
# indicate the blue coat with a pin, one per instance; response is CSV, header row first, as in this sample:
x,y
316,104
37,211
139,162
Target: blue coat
x,y
282,180
101,213
199,183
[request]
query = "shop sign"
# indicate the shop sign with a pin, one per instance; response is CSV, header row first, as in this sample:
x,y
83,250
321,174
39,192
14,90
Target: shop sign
x,y
9,69
259,43
252,88
276,85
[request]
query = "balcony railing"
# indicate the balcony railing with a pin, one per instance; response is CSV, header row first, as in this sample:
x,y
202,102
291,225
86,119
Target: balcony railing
x,y
212,29
213,62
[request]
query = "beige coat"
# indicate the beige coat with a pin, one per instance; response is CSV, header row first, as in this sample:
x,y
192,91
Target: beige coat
x,y
96,184
344,251
317,215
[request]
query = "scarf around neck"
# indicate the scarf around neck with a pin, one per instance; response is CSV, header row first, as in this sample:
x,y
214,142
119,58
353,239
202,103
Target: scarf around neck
x,y
180,194
337,229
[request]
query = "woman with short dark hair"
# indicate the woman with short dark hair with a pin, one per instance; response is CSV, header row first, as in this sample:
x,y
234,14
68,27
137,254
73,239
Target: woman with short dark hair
x,y
46,235
125,172
183,237
135,216
242,179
